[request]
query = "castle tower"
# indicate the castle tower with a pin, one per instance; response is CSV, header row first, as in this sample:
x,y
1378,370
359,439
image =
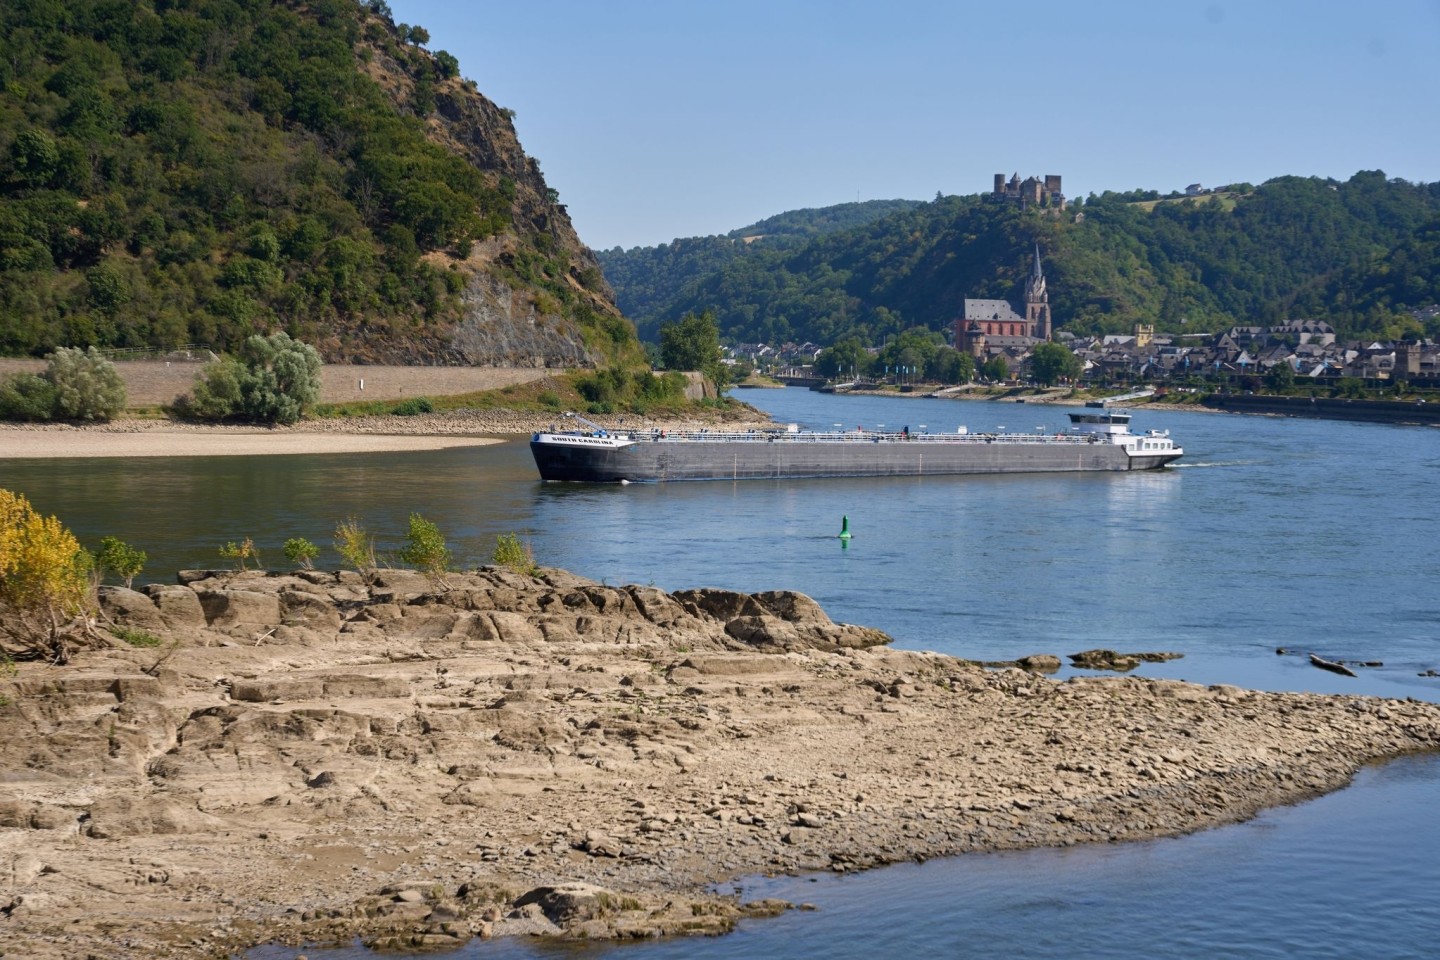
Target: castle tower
x,y
1407,360
1037,301
975,342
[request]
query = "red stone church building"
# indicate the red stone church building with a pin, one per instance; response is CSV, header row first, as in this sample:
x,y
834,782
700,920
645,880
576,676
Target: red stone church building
x,y
989,326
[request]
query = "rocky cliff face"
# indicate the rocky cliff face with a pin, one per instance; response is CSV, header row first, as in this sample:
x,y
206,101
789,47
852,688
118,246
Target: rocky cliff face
x,y
506,322
505,327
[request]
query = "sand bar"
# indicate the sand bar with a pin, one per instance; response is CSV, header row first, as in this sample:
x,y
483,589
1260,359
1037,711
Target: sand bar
x,y
53,444
373,434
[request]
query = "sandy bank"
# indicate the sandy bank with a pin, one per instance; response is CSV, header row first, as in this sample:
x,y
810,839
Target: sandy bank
x,y
51,444
165,438
315,755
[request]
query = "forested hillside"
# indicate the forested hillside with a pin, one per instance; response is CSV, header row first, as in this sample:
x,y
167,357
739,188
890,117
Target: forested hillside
x,y
652,277
195,171
819,221
1360,254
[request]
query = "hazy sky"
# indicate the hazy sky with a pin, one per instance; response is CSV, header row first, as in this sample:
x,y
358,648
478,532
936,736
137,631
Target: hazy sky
x,y
657,119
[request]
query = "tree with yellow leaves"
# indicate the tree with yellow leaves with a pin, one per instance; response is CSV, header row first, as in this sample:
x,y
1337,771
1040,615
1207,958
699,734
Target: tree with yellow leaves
x,y
45,588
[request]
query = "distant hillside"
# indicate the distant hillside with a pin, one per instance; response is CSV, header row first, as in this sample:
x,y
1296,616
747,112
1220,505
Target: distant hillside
x,y
652,277
819,221
1359,253
195,171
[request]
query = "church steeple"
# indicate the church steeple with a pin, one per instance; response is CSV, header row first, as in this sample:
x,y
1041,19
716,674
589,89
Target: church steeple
x,y
1037,301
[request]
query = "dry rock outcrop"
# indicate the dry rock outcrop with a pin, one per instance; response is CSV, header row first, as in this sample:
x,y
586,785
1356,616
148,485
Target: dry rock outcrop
x,y
325,756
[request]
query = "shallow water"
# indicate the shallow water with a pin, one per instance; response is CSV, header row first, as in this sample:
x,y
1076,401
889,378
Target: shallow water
x,y
1295,534
1352,874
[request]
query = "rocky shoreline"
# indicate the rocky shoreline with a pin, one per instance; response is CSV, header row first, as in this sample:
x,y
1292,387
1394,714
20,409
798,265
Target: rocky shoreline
x,y
324,756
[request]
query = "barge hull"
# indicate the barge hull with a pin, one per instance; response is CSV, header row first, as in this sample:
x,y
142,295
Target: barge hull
x,y
650,462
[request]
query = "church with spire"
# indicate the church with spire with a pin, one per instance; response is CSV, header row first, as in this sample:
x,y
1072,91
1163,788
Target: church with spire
x,y
990,326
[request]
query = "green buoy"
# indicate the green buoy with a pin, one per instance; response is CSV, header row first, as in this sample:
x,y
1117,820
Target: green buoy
x,y
844,528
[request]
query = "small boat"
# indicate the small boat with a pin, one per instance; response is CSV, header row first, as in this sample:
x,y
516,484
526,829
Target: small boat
x,y
1099,439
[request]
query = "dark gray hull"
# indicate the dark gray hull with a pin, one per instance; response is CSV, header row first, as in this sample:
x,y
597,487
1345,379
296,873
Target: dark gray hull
x,y
646,461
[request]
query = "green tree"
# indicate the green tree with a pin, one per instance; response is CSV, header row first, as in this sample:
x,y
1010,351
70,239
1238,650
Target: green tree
x,y
273,379
284,378
1052,362
446,63
1281,377
216,393
34,157
910,354
693,344
425,548
995,368
1352,387
27,396
87,386
119,558
951,366
301,552
846,358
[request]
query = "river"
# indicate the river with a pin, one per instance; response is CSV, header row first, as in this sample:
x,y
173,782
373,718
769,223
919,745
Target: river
x,y
1268,535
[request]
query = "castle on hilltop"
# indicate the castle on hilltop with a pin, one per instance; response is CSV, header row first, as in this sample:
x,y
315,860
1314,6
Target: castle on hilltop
x,y
1030,190
990,326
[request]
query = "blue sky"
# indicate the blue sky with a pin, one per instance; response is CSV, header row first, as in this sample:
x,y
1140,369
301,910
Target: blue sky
x,y
656,120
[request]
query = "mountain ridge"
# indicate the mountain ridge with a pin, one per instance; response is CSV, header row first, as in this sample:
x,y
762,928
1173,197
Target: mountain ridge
x,y
1293,246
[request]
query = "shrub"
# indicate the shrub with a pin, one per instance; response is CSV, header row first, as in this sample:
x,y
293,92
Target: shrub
x,y
86,385
301,552
135,636
76,385
514,556
45,586
355,546
273,379
414,406
216,393
425,548
240,553
27,396
120,558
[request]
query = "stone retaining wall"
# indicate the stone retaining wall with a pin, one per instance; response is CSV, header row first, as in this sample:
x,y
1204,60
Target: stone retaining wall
x,y
153,383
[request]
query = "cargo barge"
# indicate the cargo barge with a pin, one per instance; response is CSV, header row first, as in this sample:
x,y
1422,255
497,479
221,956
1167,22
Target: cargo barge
x,y
1099,439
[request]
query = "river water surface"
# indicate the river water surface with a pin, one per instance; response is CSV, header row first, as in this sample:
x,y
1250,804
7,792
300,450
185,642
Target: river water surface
x,y
1269,534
